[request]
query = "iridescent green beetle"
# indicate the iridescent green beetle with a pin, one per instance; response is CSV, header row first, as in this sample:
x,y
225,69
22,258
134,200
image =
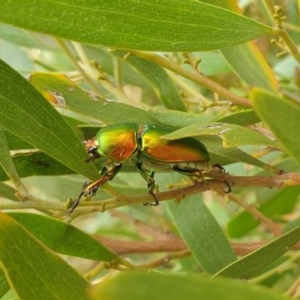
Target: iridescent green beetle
x,y
143,146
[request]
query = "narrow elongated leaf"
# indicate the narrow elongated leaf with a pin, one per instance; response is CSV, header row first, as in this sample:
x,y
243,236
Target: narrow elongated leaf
x,y
76,99
7,191
161,82
64,238
256,262
202,234
80,101
36,163
246,60
25,113
281,203
232,135
230,155
14,142
4,285
250,65
243,118
175,118
168,25
34,271
282,116
148,286
6,161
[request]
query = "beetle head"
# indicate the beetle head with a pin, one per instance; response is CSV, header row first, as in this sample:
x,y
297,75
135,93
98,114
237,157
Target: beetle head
x,y
91,148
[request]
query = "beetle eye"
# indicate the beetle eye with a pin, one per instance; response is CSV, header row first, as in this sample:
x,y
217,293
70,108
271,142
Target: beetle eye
x,y
93,154
92,150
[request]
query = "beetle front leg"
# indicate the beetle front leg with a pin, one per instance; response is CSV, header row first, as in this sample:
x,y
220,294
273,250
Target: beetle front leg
x,y
91,188
151,184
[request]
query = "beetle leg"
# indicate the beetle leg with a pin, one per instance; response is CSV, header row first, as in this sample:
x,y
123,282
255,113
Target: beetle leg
x,y
198,173
188,172
222,171
151,184
90,188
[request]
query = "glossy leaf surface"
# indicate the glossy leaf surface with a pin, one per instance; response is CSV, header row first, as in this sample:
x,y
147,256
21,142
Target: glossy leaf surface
x,y
168,25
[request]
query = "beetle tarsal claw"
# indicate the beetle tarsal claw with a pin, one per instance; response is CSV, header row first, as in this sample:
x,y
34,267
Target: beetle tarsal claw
x,y
155,203
152,187
219,167
227,189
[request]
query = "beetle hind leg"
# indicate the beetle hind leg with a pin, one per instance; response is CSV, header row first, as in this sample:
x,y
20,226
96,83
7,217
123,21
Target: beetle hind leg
x,y
151,184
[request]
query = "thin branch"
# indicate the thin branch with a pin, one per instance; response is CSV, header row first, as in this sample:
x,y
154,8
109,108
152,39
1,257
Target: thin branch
x,y
70,55
218,184
293,50
162,261
270,225
194,76
285,42
123,247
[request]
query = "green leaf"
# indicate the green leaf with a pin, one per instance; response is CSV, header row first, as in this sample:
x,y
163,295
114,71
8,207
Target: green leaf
x,y
34,271
149,286
161,82
64,238
7,191
6,161
250,65
167,25
201,233
246,60
21,37
243,118
71,96
76,99
4,285
14,142
282,202
282,116
256,262
220,155
232,135
175,118
25,113
36,163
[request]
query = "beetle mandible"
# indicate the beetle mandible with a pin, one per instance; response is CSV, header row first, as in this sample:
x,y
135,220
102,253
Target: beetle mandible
x,y
143,146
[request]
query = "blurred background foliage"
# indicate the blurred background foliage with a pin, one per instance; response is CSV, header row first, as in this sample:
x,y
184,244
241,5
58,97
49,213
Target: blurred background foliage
x,y
68,69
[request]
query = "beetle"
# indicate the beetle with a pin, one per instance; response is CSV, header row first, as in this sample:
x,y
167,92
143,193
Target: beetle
x,y
143,146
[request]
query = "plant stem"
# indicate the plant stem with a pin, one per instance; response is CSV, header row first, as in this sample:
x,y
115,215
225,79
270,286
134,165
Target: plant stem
x,y
217,184
89,81
269,224
290,44
277,19
195,76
